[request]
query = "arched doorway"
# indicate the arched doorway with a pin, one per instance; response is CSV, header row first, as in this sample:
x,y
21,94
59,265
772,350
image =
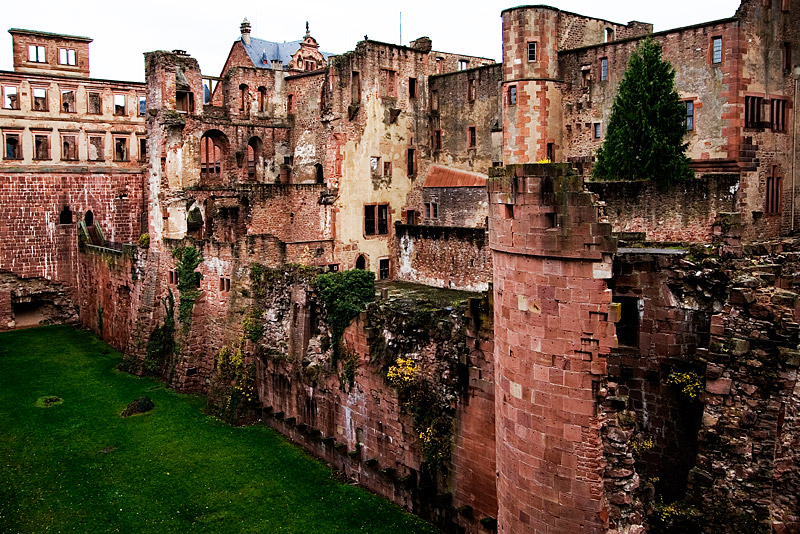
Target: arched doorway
x,y
361,262
88,218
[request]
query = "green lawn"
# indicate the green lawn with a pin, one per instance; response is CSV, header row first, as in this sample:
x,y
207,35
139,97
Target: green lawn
x,y
79,467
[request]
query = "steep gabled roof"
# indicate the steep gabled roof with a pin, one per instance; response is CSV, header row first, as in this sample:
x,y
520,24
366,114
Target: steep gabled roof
x,y
260,48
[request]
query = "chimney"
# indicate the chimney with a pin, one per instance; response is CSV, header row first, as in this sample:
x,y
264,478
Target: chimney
x,y
245,28
277,64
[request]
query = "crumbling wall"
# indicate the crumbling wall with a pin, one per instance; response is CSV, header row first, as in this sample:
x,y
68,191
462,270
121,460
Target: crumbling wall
x,y
34,301
456,258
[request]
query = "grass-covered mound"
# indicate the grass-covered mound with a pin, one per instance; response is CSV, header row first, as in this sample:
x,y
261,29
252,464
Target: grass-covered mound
x,y
78,466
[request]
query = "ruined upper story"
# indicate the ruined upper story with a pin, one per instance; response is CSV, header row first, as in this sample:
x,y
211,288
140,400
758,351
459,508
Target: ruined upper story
x,y
54,116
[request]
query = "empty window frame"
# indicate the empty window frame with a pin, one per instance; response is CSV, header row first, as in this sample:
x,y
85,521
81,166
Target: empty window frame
x,y
142,149
383,269
376,219
431,210
120,106
628,324
184,101
463,64
67,56
68,101
512,95
96,148
586,77
752,111
383,219
551,152
355,87
598,130
472,137
689,115
210,156
39,99
94,104
410,217
69,147
13,148
716,50
375,166
609,34
603,69
41,146
777,114
224,284
262,99
774,194
387,169
531,51
10,97
369,220
65,217
437,140
412,88
37,54
411,156
208,89
244,97
471,89
439,65
121,149
142,105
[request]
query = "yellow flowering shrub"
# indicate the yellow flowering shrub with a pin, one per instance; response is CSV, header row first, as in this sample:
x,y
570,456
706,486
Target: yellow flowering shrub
x,y
403,373
691,383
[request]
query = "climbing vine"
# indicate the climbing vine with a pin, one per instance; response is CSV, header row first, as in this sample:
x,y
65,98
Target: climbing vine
x,y
188,282
162,340
345,294
234,386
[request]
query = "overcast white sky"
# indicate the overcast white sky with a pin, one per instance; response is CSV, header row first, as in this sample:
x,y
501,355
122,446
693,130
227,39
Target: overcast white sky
x,y
123,31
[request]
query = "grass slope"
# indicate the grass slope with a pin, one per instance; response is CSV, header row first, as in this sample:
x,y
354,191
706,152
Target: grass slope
x,y
78,467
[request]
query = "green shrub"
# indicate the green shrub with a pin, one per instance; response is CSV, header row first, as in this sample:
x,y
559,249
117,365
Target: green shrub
x,y
345,294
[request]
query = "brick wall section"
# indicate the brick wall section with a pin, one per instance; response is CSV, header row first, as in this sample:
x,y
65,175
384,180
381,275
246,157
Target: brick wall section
x,y
552,335
457,206
686,212
52,42
456,258
6,314
33,243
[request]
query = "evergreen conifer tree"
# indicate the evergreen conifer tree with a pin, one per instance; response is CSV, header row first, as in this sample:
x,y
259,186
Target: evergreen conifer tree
x,y
644,138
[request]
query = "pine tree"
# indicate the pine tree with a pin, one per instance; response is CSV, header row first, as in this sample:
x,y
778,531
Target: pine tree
x,y
644,139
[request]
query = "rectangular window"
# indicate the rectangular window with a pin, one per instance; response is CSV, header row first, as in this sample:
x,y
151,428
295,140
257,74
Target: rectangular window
x,y
551,152
472,137
586,77
787,56
184,101
412,88
369,220
290,104
716,50
41,146
119,105
412,164
774,194
375,166
13,147
142,149
36,54
208,90
603,69
431,210
463,64
512,95
68,101
597,130
39,99
387,169
471,90
777,113
224,284
532,51
355,87
66,56
609,34
96,152
388,83
752,111
410,215
94,106
383,219
10,97
437,140
69,147
689,115
439,65
120,149
142,105
383,268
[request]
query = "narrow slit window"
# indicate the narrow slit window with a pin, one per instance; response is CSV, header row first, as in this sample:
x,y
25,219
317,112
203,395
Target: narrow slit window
x,y
387,169
512,95
412,88
412,166
778,115
532,51
472,137
142,105
471,89
369,220
716,50
689,115
142,149
604,69
774,194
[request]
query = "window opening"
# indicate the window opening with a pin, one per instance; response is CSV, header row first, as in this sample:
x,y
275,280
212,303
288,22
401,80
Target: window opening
x,y
603,69
384,268
383,219
411,155
320,175
387,169
69,147
39,99
36,54
609,34
119,104
262,99
471,89
463,64
41,147
412,88
777,110
243,97
142,149
184,101
65,217
628,324
716,50
142,105
512,95
689,115
472,137
66,56
96,152
361,262
752,111
597,130
532,51
10,97
437,140
774,195
355,87
120,149
375,166
210,157
13,148
88,218
68,101
94,107
369,220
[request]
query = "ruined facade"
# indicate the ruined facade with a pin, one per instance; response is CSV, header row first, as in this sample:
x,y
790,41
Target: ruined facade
x,y
602,354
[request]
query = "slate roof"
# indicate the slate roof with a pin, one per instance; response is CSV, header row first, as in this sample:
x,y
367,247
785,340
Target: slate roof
x,y
283,51
439,176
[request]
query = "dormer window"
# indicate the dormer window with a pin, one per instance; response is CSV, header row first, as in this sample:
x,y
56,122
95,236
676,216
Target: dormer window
x,y
67,56
36,54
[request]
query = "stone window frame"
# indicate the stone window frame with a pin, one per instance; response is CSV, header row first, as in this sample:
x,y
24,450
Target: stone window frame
x,y
47,155
411,161
5,95
141,142
375,167
384,268
74,90
124,111
777,114
604,69
687,102
89,145
63,136
512,95
387,169
373,212
413,88
388,83
532,47
89,94
712,50
431,210
436,140
463,64
773,197
754,111
67,57
38,48
597,130
46,100
18,134
472,136
141,105
115,137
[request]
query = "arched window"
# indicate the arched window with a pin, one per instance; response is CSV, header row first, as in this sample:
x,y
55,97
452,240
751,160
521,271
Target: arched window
x,y
262,99
361,262
88,218
65,217
212,152
254,147
243,97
